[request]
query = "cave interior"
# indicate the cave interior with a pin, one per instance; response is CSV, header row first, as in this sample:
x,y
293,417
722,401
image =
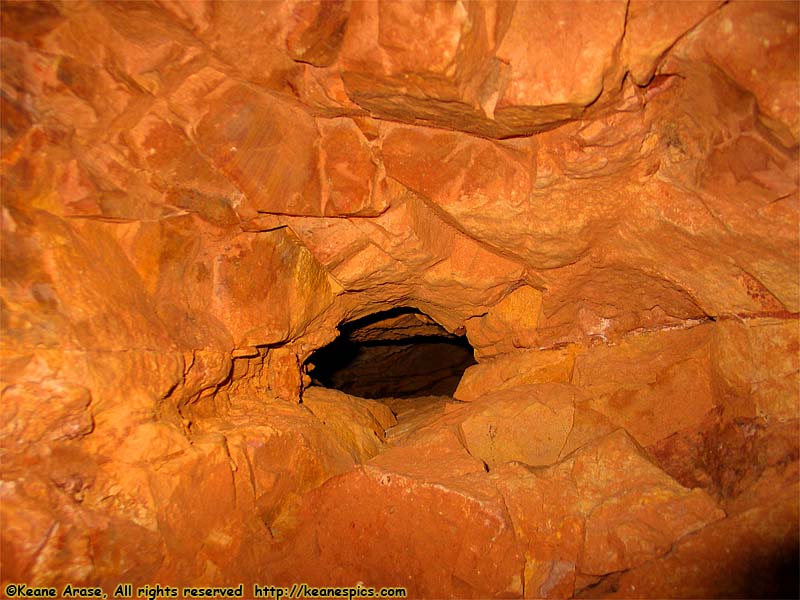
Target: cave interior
x,y
472,298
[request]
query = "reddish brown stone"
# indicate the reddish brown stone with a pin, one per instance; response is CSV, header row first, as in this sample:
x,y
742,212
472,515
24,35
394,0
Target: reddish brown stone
x,y
601,196
752,555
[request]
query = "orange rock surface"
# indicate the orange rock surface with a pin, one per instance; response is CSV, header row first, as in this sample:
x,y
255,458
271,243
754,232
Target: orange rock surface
x,y
601,196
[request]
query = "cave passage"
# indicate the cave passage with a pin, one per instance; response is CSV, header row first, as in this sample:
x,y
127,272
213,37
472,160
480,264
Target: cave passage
x,y
399,353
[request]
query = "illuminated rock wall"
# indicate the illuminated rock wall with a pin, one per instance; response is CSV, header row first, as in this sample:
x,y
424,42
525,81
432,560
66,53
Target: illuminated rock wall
x,y
603,196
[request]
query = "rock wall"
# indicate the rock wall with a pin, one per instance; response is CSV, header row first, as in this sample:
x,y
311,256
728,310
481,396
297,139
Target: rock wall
x,y
602,195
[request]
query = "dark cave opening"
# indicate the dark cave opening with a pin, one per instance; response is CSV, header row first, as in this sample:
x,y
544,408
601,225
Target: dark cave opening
x,y
398,353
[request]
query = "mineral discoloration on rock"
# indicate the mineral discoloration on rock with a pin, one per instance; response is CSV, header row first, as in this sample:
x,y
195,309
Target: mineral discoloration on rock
x,y
603,197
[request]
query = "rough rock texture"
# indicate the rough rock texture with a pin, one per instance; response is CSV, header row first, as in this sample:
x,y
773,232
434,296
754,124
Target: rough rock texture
x,y
603,196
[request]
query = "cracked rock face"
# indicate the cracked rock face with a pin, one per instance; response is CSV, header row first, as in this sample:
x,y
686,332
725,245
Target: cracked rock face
x,y
601,196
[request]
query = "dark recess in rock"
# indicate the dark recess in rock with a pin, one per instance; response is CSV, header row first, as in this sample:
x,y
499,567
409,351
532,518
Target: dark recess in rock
x,y
397,353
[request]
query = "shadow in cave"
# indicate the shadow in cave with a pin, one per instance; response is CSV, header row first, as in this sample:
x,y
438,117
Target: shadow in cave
x,y
772,572
399,353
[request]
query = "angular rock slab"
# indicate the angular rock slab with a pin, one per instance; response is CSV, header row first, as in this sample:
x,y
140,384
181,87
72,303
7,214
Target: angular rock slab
x,y
605,508
421,516
525,424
